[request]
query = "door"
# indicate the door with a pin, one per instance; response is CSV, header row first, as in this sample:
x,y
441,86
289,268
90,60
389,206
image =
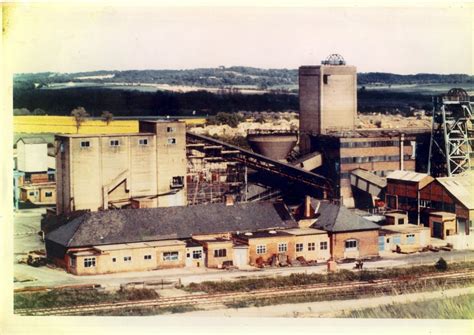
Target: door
x,y
396,240
381,243
437,229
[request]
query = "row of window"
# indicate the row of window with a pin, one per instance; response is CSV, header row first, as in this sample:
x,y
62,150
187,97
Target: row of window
x,y
370,159
167,257
374,144
116,143
46,194
299,247
444,206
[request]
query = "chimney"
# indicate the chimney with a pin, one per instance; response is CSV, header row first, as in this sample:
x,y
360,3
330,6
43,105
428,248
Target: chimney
x,y
307,207
229,200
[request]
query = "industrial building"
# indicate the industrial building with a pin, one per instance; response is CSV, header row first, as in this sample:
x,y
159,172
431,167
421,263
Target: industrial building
x,y
444,204
328,110
154,238
97,172
34,174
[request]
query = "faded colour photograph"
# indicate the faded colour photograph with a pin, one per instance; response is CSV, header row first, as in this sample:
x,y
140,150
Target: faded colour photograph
x,y
226,163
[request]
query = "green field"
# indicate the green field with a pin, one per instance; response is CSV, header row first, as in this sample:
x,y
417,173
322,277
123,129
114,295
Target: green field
x,y
461,307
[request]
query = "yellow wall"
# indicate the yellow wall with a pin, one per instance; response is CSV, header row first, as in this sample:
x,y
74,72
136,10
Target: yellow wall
x,y
67,125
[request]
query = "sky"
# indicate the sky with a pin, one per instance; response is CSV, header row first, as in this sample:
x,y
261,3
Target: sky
x,y
58,38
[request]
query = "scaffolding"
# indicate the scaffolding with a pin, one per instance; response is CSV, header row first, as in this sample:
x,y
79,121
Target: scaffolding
x,y
210,177
451,135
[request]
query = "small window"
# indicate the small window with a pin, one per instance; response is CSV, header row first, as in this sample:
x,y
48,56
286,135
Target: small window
x,y
299,247
351,244
220,253
89,262
170,129
114,143
48,194
51,177
143,141
325,78
197,254
188,255
323,245
147,257
401,221
31,194
311,246
177,182
85,144
114,259
127,259
170,256
61,147
73,261
261,249
282,247
171,140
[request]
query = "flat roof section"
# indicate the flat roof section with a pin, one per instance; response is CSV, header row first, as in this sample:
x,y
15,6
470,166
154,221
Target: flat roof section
x,y
102,135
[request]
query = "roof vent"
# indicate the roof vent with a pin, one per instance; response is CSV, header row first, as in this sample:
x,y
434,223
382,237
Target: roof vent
x,y
248,234
272,232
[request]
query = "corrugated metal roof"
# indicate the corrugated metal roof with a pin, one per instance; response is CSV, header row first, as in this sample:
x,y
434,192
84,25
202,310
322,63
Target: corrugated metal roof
x,y
461,187
370,177
407,175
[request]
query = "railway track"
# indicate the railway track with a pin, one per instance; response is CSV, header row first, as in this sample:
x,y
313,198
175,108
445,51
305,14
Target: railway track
x,y
346,289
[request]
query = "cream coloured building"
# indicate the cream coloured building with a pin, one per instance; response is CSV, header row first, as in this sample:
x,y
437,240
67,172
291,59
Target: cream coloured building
x,y
328,98
99,172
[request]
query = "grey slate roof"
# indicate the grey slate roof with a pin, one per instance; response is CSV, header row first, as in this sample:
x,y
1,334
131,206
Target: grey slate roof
x,y
151,224
337,218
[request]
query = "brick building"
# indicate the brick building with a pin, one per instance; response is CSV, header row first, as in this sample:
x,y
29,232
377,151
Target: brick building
x,y
155,238
350,236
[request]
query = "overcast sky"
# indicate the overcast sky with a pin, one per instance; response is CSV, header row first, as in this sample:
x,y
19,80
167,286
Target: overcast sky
x,y
398,40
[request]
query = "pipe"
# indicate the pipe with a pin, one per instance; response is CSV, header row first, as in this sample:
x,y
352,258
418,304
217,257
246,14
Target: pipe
x,y
402,138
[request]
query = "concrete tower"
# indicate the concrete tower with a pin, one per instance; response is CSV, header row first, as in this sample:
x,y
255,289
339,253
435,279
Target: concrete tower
x,y
328,98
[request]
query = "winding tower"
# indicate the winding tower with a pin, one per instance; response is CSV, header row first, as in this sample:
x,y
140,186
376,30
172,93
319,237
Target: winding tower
x,y
452,134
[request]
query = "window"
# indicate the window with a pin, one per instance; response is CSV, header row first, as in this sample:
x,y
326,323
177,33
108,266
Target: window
x,y
171,140
170,129
197,254
73,261
114,143
220,253
61,147
282,247
147,257
31,193
323,245
127,259
325,78
177,182
89,262
311,246
299,247
27,177
48,194
51,177
114,259
261,249
170,256
85,144
351,244
143,141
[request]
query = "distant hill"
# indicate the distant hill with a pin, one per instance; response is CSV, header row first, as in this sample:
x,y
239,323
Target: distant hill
x,y
224,77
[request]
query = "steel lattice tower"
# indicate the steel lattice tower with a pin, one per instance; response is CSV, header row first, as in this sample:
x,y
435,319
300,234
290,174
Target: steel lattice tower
x,y
451,134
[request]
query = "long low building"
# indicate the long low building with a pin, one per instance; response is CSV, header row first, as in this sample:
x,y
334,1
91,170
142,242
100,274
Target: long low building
x,y
155,238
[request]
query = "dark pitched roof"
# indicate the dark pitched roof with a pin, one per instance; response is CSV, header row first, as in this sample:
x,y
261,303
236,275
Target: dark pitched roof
x,y
337,218
149,224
